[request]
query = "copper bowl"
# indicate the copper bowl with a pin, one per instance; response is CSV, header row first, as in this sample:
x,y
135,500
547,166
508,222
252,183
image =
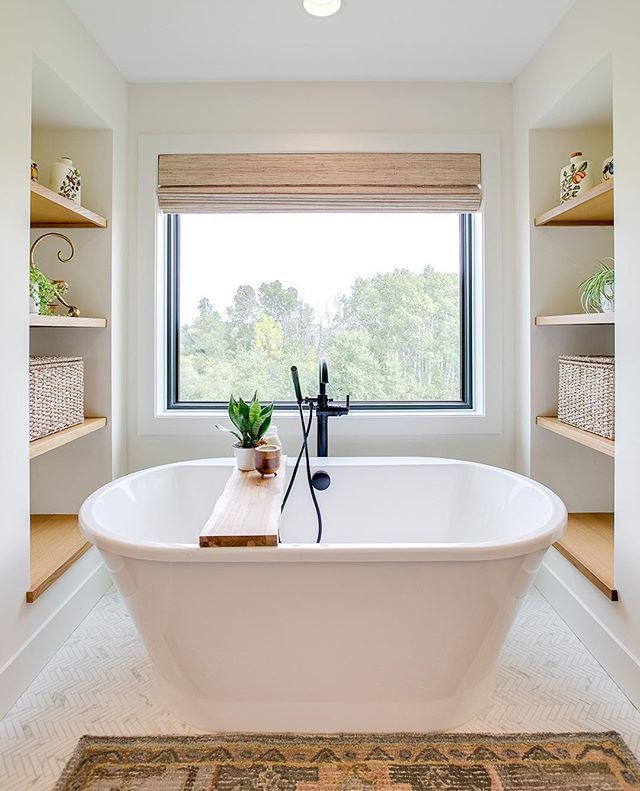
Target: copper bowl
x,y
267,459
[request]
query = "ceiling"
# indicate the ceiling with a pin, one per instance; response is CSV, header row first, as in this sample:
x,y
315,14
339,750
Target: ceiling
x,y
265,40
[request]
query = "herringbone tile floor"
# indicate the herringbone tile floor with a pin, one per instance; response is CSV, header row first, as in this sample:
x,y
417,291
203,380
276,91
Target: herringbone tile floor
x,y
98,683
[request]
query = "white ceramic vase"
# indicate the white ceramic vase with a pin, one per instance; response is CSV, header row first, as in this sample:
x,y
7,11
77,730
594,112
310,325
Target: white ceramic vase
x,y
245,458
607,169
576,177
65,179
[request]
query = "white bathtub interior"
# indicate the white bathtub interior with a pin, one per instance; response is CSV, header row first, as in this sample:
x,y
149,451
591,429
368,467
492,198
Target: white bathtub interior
x,y
377,502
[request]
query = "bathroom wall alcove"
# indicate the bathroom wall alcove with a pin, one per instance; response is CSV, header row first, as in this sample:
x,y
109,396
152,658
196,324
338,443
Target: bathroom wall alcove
x,y
68,465
566,243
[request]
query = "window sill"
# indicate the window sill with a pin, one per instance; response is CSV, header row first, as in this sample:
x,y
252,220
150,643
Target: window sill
x,y
417,423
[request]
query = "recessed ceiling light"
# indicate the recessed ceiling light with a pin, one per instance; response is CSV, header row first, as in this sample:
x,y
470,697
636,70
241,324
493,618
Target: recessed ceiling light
x,y
322,7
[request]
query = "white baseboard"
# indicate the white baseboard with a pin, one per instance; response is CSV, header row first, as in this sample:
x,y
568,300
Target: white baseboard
x,y
20,671
620,664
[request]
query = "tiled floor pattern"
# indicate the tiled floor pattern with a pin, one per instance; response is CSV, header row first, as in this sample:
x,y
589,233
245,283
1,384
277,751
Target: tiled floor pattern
x,y
98,683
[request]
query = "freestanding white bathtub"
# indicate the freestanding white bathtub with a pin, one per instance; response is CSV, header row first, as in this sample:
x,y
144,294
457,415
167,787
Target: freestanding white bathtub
x,y
394,622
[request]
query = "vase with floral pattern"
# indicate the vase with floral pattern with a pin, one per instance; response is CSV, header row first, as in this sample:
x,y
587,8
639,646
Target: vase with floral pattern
x,y
65,179
607,169
576,177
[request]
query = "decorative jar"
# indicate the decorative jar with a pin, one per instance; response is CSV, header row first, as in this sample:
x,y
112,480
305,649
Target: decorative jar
x,y
65,179
575,177
267,459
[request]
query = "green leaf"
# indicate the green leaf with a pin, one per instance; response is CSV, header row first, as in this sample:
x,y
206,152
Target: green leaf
x,y
263,427
254,412
234,415
243,408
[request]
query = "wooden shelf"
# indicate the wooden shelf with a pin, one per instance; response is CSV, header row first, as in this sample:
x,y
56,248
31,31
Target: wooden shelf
x,y
593,441
50,210
588,545
56,543
595,207
577,318
90,424
65,321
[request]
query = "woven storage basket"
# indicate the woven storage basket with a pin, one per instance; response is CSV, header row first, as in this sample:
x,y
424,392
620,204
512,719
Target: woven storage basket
x,y
586,397
56,394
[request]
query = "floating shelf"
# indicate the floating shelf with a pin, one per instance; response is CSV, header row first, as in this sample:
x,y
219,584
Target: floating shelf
x,y
56,543
50,210
90,424
593,441
65,321
595,207
588,545
577,318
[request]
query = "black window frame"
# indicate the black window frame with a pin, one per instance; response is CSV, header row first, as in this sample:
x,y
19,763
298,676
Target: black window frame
x,y
466,403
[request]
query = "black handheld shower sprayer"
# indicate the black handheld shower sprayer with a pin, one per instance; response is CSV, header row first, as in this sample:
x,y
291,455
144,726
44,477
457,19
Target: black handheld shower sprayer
x,y
324,410
304,449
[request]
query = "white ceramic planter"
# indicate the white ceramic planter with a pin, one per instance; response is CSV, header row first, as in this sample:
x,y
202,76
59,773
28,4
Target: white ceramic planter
x,y
33,300
245,458
607,302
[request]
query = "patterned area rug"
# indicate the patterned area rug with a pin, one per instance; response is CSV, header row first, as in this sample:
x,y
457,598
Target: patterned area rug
x,y
397,762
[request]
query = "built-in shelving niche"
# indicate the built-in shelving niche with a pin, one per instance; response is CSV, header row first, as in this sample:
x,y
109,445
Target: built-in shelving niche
x,y
68,465
585,233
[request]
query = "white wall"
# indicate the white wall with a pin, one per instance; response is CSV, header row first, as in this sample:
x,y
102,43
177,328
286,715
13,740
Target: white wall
x,y
602,31
30,633
318,116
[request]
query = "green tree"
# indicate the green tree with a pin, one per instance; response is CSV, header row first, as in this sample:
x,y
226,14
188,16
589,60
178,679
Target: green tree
x,y
393,336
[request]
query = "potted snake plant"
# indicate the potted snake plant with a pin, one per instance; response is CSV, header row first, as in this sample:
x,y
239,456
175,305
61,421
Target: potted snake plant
x,y
251,422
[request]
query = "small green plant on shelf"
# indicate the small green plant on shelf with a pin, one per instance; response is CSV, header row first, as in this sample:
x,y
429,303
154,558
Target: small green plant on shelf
x,y
42,291
597,292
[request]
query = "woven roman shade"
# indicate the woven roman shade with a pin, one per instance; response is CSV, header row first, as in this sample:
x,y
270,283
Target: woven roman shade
x,y
206,183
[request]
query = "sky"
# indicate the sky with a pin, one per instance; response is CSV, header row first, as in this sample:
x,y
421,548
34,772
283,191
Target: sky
x,y
319,254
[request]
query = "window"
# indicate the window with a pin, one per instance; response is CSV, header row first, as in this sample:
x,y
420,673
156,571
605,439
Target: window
x,y
385,296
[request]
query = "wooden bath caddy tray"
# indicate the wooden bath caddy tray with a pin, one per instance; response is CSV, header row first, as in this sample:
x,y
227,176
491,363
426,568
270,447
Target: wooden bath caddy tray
x,y
248,512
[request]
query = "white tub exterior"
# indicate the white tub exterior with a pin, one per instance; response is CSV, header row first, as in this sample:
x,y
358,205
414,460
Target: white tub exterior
x,y
394,622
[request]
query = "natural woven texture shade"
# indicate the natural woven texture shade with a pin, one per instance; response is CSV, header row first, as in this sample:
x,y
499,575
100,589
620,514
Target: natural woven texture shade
x,y
203,183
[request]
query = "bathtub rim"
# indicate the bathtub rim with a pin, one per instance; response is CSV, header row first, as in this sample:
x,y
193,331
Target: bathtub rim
x,y
533,541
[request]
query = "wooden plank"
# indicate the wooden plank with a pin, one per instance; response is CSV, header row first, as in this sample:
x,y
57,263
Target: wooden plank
x,y
588,544
56,543
247,513
50,210
593,441
594,207
90,424
65,321
577,318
